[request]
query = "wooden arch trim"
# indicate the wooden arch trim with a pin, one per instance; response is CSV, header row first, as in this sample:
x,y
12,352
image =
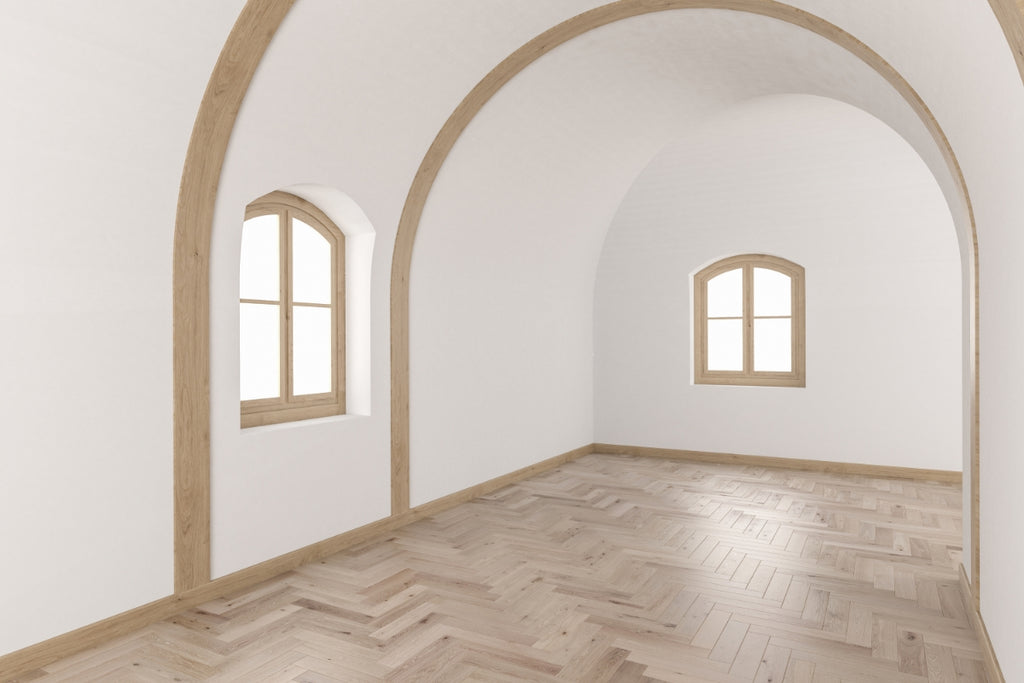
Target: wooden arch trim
x,y
256,25
537,48
193,228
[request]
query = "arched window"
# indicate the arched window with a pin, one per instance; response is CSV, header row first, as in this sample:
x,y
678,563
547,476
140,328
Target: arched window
x,y
292,312
749,322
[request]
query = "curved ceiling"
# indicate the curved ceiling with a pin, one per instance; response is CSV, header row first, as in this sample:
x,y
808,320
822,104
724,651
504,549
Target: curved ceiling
x,y
586,117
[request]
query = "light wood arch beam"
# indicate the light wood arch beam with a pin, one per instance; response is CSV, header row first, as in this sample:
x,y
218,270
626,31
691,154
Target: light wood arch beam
x,y
242,52
1010,14
245,47
537,48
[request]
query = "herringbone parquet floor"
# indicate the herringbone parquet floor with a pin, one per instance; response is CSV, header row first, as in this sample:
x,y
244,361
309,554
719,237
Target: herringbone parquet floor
x,y
609,568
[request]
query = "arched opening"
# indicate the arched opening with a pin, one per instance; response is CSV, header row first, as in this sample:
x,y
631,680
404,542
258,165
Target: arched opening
x,y
526,83
195,221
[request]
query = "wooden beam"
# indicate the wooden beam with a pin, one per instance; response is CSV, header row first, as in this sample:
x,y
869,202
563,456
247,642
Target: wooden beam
x,y
200,178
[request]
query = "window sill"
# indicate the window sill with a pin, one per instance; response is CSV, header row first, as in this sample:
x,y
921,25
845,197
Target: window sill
x,y
306,423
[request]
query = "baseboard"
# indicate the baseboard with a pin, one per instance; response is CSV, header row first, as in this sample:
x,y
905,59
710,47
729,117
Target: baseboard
x,y
992,670
33,657
887,471
435,506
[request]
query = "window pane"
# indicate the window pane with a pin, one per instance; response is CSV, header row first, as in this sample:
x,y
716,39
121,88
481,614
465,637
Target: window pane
x,y
772,294
260,267
311,350
311,265
725,345
259,351
772,348
725,295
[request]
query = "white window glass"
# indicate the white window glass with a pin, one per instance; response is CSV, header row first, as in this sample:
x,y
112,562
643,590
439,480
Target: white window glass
x,y
772,294
772,345
260,351
725,345
311,265
311,350
725,295
260,266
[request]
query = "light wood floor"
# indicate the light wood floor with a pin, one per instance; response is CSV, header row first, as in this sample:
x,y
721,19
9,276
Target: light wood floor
x,y
610,568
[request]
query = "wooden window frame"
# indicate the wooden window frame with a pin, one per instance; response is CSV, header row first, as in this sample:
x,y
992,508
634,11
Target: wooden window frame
x,y
748,376
287,407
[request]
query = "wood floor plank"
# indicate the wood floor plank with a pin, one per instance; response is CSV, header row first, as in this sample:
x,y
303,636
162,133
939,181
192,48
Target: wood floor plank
x,y
707,635
772,668
799,671
607,568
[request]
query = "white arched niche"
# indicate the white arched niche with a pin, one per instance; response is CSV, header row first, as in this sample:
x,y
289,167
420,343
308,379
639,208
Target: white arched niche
x,y
831,187
280,487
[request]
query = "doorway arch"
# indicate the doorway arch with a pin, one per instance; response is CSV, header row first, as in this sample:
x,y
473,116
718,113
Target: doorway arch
x,y
245,46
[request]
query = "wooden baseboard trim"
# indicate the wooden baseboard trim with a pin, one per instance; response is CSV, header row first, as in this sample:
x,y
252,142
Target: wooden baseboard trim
x,y
39,655
250,576
992,670
482,489
33,657
888,471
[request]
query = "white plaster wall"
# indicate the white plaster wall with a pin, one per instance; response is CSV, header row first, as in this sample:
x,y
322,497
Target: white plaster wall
x,y
835,190
503,270
960,63
321,109
956,59
349,96
98,109
105,100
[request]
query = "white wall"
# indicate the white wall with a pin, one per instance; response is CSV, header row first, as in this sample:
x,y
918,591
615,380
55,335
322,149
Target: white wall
x,y
331,105
503,270
959,62
350,96
835,190
98,109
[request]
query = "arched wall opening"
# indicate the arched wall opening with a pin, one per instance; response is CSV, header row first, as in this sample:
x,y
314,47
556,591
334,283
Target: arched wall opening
x,y
359,239
199,195
500,119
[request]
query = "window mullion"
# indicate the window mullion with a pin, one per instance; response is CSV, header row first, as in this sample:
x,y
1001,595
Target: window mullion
x,y
703,317
336,341
286,307
796,338
748,319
